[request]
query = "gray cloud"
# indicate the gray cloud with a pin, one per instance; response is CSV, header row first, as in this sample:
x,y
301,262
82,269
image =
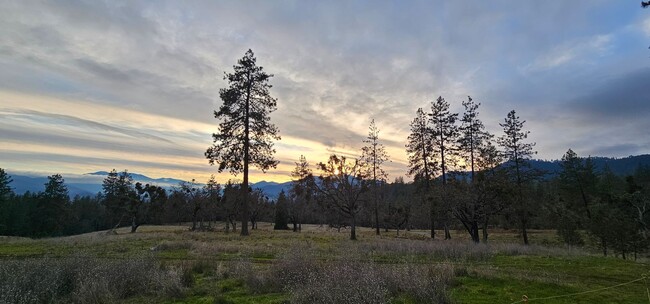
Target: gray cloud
x,y
80,122
623,98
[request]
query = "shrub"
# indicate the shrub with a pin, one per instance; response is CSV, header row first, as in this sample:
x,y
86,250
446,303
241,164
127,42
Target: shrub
x,y
84,280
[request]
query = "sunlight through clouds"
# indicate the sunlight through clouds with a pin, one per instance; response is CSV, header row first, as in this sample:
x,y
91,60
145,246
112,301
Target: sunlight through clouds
x,y
88,85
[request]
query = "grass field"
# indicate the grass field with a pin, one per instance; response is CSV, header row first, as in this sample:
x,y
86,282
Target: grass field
x,y
169,264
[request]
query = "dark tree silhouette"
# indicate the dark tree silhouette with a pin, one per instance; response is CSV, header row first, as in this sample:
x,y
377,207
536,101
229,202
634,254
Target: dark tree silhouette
x,y
517,153
195,198
473,136
645,4
374,156
121,199
245,134
281,217
5,180
421,162
302,189
577,181
445,136
52,208
471,201
342,185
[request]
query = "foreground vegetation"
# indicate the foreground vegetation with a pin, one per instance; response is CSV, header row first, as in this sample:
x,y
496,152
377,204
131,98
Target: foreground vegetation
x,y
170,264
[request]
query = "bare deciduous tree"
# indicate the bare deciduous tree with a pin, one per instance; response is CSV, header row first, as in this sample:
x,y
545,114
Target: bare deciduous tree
x,y
341,185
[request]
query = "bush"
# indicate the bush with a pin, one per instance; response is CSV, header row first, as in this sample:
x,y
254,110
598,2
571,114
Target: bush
x,y
84,280
349,281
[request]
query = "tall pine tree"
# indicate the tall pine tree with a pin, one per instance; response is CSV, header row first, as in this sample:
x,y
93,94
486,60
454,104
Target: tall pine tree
x,y
421,162
374,156
245,133
517,153
445,133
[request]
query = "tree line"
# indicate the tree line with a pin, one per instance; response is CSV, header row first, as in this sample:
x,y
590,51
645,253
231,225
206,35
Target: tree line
x,y
123,202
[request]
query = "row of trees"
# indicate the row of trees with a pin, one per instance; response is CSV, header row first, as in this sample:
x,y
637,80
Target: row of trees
x,y
123,202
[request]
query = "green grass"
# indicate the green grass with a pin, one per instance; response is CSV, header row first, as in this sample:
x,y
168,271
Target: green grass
x,y
495,277
507,278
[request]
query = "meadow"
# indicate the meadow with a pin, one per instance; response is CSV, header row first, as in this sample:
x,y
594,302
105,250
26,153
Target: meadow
x,y
170,264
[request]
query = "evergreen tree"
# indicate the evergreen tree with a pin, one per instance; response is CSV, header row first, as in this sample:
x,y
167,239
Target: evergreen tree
x,y
517,153
5,204
473,135
471,203
374,156
230,206
445,136
212,191
245,133
302,188
52,209
577,182
281,218
121,199
5,189
422,165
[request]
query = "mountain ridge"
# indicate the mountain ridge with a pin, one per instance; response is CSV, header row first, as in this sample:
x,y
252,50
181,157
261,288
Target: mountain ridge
x,y
91,183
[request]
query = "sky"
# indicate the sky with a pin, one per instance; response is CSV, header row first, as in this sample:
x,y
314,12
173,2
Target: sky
x,y
96,85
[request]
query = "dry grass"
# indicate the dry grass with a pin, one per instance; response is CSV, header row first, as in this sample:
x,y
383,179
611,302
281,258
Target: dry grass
x,y
85,280
318,265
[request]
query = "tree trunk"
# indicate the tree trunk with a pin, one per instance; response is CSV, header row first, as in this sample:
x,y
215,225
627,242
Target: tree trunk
x,y
245,211
353,229
433,217
134,226
244,188
447,233
485,230
194,220
376,205
524,233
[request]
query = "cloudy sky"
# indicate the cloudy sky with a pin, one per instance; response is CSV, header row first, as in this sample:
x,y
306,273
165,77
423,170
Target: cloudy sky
x,y
97,85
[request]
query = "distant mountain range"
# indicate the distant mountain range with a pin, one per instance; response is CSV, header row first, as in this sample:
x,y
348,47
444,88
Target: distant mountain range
x,y
91,183
619,166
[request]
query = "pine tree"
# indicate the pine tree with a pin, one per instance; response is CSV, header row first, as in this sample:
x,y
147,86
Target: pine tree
x,y
577,178
5,203
445,133
52,207
374,156
281,220
517,153
422,165
120,198
473,136
245,133
472,141
302,188
5,189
